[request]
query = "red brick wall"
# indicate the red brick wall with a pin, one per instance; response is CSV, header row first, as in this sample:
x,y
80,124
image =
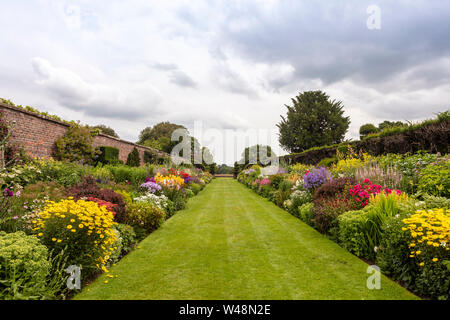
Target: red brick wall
x,y
38,135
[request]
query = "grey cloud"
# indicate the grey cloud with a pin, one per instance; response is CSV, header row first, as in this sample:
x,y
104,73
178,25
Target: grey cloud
x,y
176,75
182,79
330,41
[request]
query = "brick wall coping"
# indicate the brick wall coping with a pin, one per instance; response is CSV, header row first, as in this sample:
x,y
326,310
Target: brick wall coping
x,y
43,117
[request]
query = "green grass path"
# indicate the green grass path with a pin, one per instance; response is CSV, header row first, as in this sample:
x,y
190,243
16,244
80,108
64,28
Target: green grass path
x,y
230,243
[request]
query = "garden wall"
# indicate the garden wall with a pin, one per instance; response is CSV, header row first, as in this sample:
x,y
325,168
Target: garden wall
x,y
433,138
38,134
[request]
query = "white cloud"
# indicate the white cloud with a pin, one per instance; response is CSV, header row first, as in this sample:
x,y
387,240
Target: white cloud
x,y
117,100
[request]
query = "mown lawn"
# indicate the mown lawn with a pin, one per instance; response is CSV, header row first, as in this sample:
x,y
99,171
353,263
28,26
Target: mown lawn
x,y
230,243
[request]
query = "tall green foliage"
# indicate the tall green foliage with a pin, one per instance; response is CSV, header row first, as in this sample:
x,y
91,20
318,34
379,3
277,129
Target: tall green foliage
x,y
313,120
133,159
76,145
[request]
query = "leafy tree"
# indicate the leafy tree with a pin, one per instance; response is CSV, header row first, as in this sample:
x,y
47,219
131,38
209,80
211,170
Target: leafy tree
x,y
366,129
259,153
106,130
159,136
390,124
133,159
212,168
312,121
162,129
76,145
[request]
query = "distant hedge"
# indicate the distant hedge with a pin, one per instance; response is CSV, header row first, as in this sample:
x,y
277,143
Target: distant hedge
x,y
430,135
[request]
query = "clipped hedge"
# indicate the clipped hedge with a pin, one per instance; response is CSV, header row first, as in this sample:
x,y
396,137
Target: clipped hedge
x,y
108,155
431,135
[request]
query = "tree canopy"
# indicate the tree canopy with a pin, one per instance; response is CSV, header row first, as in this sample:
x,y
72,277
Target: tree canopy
x,y
313,120
106,130
159,136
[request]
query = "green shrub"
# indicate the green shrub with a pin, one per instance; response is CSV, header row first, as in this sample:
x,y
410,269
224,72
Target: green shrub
x,y
108,155
128,236
435,179
327,162
24,267
145,215
297,199
76,145
306,213
133,159
352,233
196,188
393,252
133,175
432,202
276,179
150,157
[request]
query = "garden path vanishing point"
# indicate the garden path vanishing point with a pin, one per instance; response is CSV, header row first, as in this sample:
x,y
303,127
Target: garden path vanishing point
x,y
230,243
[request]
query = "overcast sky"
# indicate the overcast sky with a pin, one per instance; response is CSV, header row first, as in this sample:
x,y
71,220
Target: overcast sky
x,y
231,64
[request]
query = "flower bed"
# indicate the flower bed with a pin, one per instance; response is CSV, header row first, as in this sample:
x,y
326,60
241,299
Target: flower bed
x,y
407,235
83,216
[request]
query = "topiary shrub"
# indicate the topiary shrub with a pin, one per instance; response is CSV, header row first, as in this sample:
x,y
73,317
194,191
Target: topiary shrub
x,y
23,267
133,159
76,145
89,188
108,155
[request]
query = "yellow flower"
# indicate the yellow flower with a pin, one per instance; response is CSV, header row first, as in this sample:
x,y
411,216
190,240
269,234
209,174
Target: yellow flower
x,y
69,226
421,264
80,226
435,259
40,234
53,239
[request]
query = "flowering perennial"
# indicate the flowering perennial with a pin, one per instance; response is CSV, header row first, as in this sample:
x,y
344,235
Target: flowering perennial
x,y
316,177
151,186
362,193
430,232
66,222
171,181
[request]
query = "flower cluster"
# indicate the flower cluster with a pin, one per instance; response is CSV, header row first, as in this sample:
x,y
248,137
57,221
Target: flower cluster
x,y
430,231
362,193
186,176
162,202
70,222
151,186
316,177
108,205
171,181
264,182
